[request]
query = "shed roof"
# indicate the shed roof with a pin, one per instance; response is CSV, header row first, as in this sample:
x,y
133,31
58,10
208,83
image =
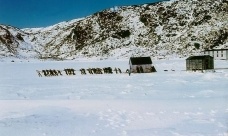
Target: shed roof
x,y
198,57
140,60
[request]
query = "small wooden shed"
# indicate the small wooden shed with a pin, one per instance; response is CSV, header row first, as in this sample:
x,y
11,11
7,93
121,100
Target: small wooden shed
x,y
194,63
141,65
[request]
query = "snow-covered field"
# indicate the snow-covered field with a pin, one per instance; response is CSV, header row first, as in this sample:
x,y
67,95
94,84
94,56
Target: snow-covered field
x,y
172,103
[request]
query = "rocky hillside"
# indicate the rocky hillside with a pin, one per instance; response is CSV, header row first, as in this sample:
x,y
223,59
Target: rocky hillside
x,y
172,28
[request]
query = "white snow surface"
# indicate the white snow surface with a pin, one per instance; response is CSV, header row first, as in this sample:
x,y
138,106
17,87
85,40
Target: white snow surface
x,y
172,103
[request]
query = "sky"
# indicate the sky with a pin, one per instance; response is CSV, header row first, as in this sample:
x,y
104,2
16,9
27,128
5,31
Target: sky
x,y
42,13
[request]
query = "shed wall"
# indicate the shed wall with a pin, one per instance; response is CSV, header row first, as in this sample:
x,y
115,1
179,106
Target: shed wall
x,y
146,68
194,64
200,64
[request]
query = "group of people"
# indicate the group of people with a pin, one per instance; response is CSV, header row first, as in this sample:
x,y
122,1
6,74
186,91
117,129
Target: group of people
x,y
53,72
71,71
94,71
50,72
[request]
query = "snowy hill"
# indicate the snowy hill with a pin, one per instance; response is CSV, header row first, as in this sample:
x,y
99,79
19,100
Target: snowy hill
x,y
174,28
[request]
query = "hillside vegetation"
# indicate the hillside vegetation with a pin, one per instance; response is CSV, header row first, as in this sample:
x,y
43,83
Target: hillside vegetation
x,y
176,28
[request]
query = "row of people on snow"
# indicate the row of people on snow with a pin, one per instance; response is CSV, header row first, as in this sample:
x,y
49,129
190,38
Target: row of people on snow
x,y
53,72
71,71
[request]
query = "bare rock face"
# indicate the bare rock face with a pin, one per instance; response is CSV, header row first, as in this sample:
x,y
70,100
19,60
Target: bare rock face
x,y
173,28
8,42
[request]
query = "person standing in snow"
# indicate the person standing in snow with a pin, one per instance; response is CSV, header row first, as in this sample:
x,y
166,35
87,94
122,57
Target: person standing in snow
x,y
128,71
38,72
116,71
119,70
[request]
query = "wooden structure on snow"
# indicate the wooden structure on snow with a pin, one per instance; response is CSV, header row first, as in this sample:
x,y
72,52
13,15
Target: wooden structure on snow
x,y
141,65
194,63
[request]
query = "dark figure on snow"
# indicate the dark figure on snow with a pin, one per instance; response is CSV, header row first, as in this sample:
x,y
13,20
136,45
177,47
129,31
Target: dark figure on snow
x,y
99,71
116,70
66,71
105,70
55,73
90,71
83,72
59,72
128,71
109,70
72,71
94,70
39,73
69,71
45,72
51,72
119,70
